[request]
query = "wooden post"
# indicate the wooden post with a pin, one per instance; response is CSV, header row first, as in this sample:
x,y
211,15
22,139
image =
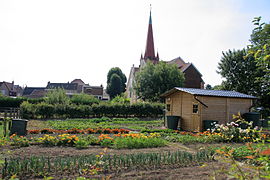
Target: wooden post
x,y
5,124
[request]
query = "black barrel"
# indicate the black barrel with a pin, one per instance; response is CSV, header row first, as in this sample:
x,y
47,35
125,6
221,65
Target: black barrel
x,y
265,123
18,126
253,117
209,124
172,122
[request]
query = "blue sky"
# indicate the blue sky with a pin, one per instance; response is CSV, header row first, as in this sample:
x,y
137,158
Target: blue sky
x,y
60,40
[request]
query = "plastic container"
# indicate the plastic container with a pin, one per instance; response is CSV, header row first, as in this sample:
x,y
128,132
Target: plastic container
x,y
172,122
18,126
253,117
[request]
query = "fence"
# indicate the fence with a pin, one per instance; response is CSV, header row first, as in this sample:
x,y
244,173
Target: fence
x,y
6,115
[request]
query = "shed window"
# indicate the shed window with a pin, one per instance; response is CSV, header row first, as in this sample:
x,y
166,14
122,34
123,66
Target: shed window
x,y
168,107
195,109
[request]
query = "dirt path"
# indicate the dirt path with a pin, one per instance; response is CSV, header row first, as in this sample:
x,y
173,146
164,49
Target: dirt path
x,y
39,150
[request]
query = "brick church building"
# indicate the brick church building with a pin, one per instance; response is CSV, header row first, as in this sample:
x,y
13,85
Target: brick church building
x,y
193,78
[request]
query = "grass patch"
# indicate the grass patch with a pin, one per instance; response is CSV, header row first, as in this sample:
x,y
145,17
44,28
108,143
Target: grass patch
x,y
189,139
136,143
132,123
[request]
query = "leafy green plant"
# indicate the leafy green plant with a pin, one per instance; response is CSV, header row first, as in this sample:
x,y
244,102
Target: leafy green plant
x,y
19,141
94,164
135,141
82,144
233,132
256,166
3,141
67,140
48,140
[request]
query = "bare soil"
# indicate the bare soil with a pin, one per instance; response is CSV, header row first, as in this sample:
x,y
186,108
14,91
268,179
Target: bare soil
x,y
169,172
39,150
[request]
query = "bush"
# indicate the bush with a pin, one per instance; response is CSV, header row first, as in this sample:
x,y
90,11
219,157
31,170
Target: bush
x,y
120,100
44,110
232,132
28,110
57,96
84,99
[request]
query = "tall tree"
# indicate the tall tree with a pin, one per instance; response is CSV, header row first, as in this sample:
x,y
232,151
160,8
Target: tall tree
x,y
116,82
240,72
208,86
153,80
57,96
248,71
260,50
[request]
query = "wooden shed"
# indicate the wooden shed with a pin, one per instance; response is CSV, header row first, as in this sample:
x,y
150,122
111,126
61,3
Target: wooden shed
x,y
196,105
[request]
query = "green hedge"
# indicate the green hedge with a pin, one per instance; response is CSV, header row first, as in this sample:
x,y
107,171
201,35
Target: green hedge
x,y
16,102
44,110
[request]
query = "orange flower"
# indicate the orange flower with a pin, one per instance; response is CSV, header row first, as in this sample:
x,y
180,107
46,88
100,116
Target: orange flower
x,y
250,157
266,152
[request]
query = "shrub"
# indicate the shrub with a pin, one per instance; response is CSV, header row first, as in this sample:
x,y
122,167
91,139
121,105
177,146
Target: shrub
x,y
232,132
57,96
11,102
46,110
120,100
84,99
28,110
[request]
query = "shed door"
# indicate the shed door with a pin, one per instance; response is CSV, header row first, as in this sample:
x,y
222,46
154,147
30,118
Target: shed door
x,y
196,118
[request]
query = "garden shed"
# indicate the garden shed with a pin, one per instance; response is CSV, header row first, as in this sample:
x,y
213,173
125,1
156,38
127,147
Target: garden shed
x,y
196,105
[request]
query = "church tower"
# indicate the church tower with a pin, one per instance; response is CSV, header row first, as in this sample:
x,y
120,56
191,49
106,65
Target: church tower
x,y
149,54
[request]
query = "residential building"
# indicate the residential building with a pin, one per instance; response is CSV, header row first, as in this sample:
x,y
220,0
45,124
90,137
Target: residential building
x,y
34,92
9,89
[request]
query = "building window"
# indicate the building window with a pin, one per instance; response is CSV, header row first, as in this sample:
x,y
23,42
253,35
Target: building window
x,y
195,109
168,107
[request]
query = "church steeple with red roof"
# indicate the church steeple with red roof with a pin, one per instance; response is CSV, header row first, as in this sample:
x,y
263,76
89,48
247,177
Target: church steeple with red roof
x,y
150,48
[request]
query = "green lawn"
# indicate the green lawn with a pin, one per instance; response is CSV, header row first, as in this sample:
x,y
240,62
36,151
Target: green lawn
x,y
130,123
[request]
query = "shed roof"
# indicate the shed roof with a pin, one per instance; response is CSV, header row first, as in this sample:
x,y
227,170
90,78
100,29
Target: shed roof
x,y
206,92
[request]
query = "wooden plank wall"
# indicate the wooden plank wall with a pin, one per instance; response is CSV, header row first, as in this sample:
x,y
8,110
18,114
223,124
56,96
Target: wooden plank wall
x,y
238,105
216,108
181,105
219,108
222,109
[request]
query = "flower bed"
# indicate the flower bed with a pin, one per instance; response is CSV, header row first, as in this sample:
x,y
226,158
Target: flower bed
x,y
79,131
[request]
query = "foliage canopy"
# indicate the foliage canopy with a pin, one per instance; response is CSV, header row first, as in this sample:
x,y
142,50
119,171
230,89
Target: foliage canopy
x,y
153,80
57,96
116,82
248,70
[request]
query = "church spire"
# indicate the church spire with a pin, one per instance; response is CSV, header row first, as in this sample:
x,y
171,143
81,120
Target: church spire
x,y
150,48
